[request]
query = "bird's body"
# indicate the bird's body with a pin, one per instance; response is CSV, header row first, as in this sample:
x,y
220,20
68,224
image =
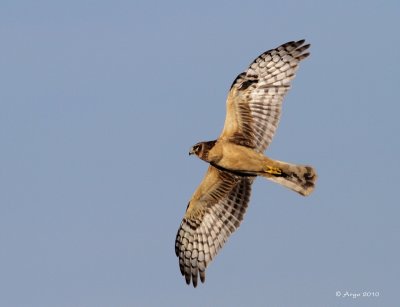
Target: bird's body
x,y
236,158
233,157
243,160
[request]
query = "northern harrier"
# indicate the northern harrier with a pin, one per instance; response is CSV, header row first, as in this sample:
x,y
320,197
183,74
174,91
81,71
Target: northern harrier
x,y
236,158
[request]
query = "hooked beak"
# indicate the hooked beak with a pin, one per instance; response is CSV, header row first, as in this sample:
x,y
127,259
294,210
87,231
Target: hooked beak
x,y
191,151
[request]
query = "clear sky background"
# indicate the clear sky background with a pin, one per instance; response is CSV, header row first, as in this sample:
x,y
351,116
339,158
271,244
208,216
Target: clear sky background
x,y
100,102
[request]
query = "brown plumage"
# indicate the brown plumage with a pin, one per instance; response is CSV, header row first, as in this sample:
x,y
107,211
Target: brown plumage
x,y
236,158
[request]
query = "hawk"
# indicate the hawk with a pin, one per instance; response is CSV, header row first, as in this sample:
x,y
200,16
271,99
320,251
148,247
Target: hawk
x,y
236,158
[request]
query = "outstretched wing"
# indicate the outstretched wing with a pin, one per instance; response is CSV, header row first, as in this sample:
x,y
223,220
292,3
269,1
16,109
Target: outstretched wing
x,y
255,98
214,212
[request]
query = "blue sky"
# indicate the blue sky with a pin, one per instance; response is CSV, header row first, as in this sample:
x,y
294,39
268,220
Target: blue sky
x,y
99,104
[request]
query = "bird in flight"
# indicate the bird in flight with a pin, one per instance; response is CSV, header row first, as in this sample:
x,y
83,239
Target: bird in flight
x,y
236,158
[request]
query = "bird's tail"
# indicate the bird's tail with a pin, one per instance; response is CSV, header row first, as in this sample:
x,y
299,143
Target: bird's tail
x,y
299,178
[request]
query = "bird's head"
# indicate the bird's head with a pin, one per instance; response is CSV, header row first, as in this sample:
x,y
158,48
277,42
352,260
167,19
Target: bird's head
x,y
197,149
201,149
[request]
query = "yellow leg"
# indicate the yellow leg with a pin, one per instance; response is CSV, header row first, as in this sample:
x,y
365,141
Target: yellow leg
x,y
273,170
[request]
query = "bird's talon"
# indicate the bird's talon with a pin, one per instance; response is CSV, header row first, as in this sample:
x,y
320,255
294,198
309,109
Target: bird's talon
x,y
273,170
